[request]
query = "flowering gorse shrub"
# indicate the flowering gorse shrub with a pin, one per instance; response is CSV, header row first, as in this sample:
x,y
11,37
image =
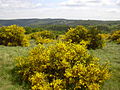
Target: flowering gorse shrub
x,y
118,40
76,35
95,38
43,37
13,36
115,36
105,36
43,34
41,40
62,66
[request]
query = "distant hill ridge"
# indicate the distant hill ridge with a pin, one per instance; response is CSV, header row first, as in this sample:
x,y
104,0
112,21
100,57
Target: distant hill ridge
x,y
28,22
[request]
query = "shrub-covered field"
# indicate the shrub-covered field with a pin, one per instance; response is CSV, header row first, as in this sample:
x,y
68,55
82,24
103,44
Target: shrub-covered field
x,y
82,59
9,80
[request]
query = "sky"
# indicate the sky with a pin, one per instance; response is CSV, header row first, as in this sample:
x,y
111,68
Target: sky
x,y
64,9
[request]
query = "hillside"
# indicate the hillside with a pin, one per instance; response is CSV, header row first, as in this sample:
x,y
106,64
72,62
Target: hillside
x,y
27,22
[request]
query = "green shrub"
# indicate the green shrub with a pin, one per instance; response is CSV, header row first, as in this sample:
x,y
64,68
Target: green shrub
x,y
30,30
95,38
76,35
63,66
13,36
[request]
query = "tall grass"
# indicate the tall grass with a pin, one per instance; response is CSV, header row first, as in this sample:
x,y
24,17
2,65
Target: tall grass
x,y
111,54
7,78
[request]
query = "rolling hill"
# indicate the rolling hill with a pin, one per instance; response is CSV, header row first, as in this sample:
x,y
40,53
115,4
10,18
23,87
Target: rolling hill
x,y
28,22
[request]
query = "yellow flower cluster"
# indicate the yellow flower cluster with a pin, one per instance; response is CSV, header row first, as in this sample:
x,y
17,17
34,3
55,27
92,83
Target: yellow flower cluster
x,y
105,36
115,36
118,40
92,37
43,37
41,40
43,34
13,36
62,66
76,34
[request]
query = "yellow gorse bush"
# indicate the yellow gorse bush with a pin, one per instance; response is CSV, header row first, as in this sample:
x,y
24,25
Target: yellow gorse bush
x,y
105,36
118,40
80,33
41,40
43,34
13,36
62,66
115,36
76,35
43,37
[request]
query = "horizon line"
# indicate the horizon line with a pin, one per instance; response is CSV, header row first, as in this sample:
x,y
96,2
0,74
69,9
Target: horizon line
x,y
60,19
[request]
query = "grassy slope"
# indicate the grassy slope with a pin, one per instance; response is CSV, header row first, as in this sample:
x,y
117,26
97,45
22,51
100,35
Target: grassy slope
x,y
6,65
109,53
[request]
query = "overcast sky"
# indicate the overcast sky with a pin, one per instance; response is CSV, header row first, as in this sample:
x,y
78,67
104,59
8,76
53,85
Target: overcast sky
x,y
68,9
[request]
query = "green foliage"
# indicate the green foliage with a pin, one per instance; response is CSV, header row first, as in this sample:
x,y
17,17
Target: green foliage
x,y
103,28
95,38
110,53
13,36
37,22
9,79
55,27
80,33
63,66
115,27
30,30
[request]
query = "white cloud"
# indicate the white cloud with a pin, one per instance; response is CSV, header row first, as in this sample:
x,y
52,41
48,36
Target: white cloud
x,y
15,4
70,9
72,3
79,2
114,10
118,2
88,3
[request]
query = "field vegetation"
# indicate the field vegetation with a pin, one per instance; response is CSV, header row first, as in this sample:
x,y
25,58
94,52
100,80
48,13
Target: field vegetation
x,y
79,58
